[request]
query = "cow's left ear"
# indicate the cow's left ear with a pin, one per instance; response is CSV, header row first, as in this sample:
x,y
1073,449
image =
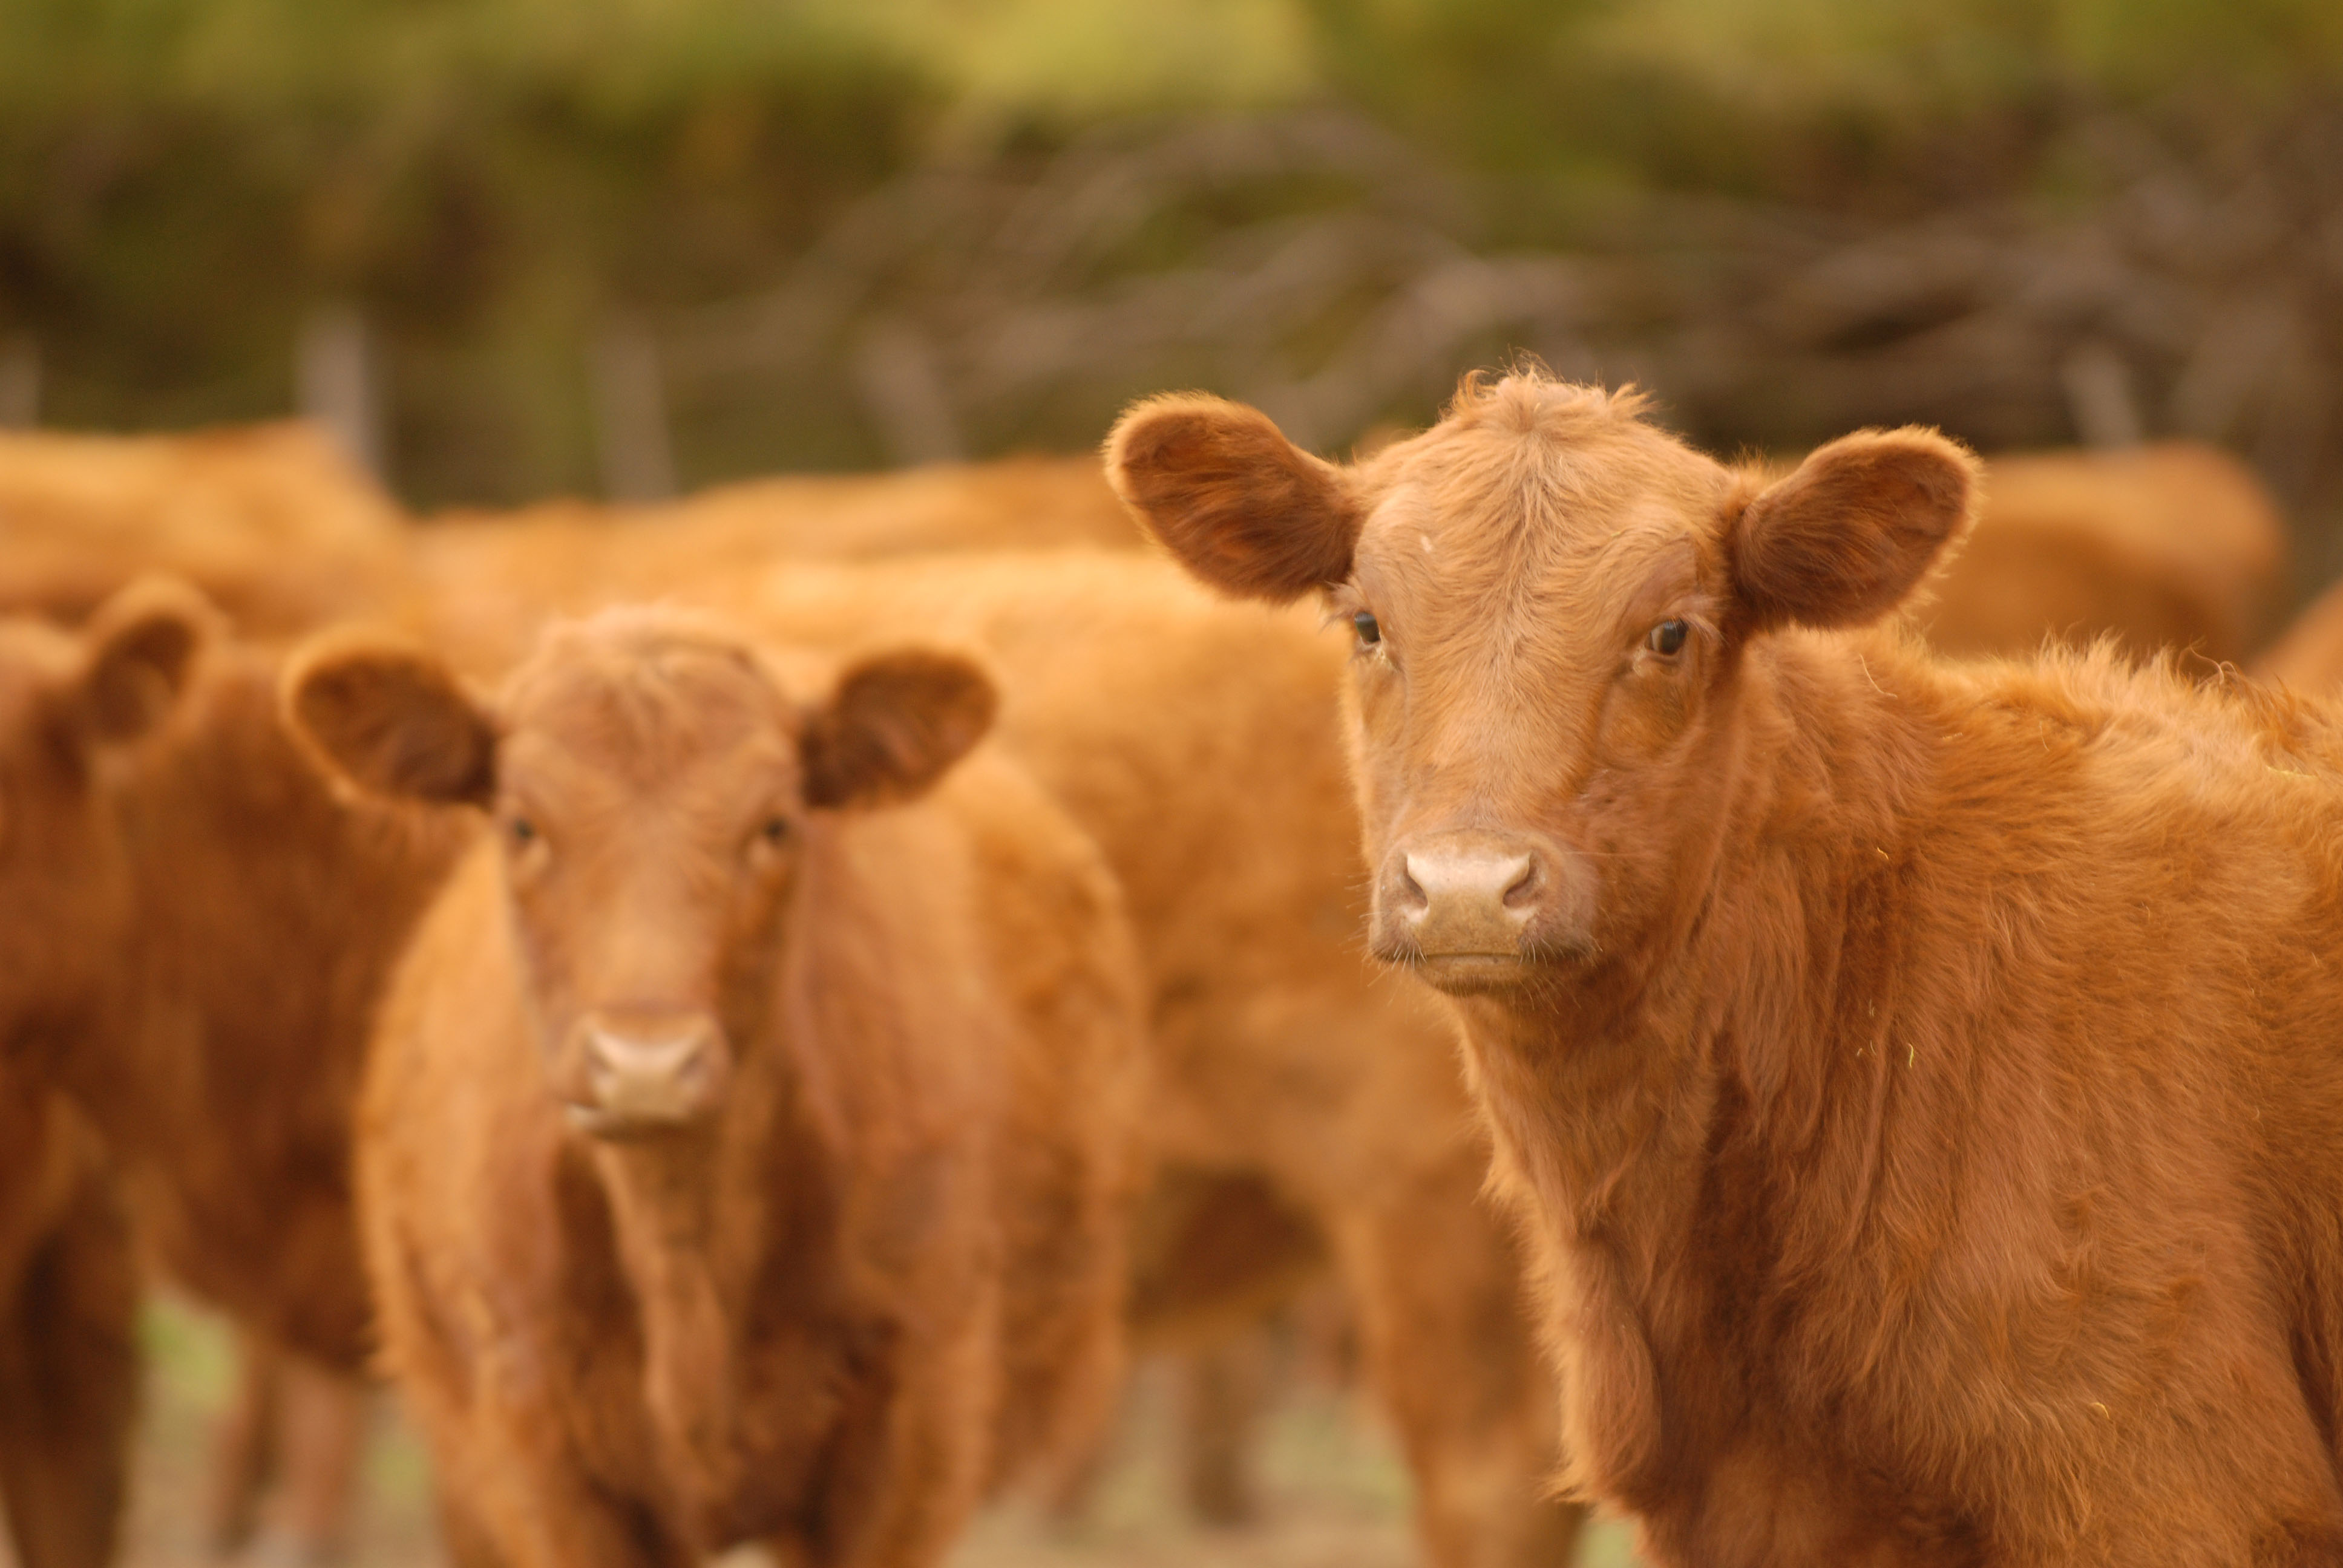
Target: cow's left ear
x,y
392,720
895,724
1847,534
1241,507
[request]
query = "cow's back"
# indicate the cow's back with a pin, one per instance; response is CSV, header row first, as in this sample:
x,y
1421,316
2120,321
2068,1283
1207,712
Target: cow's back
x,y
271,521
2176,544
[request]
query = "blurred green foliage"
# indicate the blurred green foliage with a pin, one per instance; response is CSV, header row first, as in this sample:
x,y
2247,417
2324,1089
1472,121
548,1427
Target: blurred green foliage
x,y
182,180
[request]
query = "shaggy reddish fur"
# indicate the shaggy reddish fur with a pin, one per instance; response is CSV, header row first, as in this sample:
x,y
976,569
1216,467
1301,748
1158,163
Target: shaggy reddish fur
x,y
876,1268
1926,1106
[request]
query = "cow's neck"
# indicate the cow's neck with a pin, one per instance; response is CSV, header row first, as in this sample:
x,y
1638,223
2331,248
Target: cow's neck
x,y
695,1217
1634,1101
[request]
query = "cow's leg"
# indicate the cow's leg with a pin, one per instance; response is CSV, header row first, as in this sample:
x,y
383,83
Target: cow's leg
x,y
243,1448
69,1383
1223,1388
323,1416
1451,1352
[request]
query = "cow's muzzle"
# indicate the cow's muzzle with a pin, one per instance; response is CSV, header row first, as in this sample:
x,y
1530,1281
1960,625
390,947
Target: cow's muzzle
x,y
1473,911
631,1073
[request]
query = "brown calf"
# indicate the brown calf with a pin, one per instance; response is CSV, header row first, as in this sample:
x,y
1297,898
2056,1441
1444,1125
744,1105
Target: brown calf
x,y
1196,742
2176,544
1923,1083
745,1153
68,1348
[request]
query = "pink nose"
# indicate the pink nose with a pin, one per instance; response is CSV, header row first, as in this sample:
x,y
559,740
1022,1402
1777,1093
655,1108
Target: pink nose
x,y
1461,896
637,1072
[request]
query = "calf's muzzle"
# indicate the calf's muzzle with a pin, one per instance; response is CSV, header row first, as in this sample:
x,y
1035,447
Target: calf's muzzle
x,y
1471,907
632,1072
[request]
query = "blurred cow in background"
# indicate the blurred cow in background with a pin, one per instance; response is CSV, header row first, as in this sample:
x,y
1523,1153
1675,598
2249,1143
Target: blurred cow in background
x,y
2309,656
2176,544
271,522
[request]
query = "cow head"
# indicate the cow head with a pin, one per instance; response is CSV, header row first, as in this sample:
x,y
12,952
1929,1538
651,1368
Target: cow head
x,y
1551,601
72,707
651,783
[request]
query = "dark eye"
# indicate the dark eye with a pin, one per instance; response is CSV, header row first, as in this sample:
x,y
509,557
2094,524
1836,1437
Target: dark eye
x,y
775,830
523,831
1667,636
1370,633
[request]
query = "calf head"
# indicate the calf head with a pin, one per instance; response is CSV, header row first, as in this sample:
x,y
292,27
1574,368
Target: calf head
x,y
651,782
1552,600
73,706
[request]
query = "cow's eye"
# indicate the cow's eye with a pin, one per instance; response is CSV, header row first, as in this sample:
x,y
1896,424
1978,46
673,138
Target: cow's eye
x,y
1668,636
1370,631
523,832
776,830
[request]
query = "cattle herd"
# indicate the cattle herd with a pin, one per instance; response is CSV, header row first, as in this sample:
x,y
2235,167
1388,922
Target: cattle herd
x,y
1804,1004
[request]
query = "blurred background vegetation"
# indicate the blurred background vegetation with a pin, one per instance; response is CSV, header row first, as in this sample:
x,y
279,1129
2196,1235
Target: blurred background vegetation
x,y
840,233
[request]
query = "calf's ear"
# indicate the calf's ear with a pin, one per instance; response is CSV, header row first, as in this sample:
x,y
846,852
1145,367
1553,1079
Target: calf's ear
x,y
1241,507
140,656
893,727
1847,534
392,720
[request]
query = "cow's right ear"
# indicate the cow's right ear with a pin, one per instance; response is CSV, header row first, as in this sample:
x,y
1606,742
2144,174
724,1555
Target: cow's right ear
x,y
141,649
392,720
1241,507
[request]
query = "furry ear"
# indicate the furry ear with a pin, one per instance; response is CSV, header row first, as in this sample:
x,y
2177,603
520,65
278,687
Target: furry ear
x,y
391,720
893,727
1845,536
141,645
1241,506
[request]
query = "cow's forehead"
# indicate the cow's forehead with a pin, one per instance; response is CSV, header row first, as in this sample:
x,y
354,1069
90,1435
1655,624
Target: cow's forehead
x,y
646,711
1536,524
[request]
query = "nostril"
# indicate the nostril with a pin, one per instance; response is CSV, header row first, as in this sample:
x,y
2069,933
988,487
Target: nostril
x,y
1523,887
1410,891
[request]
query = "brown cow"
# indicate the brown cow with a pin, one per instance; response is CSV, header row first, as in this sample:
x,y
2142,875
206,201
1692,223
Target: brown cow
x,y
270,521
746,1152
198,932
1195,742
2176,544
69,1347
1923,1083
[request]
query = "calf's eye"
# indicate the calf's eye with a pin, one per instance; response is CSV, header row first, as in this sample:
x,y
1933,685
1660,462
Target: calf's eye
x,y
1667,636
523,832
1370,633
775,830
